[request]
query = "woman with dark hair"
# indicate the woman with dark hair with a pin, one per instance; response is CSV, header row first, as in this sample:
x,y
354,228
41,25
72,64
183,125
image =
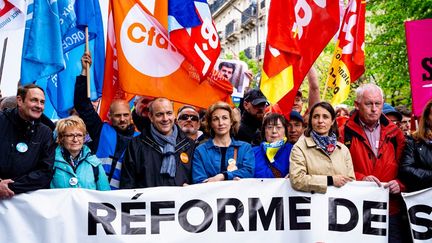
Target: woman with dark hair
x,y
317,159
416,168
222,157
272,155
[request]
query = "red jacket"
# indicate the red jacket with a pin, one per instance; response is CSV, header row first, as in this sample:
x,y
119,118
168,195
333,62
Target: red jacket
x,y
385,166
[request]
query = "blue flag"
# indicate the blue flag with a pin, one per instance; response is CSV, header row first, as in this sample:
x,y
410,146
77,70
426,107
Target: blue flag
x,y
182,14
89,15
61,85
42,48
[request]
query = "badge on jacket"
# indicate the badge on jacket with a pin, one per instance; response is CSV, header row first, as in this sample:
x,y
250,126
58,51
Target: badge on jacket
x,y
184,158
232,165
73,181
22,147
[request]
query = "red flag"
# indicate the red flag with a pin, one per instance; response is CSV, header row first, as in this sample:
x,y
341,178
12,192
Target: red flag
x,y
297,33
348,59
141,60
193,32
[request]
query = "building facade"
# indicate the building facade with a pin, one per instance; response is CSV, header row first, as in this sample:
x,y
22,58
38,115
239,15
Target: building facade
x,y
241,25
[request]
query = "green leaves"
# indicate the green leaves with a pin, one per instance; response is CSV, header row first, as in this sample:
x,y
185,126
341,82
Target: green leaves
x,y
386,55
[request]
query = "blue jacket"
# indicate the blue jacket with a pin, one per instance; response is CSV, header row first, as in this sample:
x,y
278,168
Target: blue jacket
x,y
63,172
207,161
262,168
108,143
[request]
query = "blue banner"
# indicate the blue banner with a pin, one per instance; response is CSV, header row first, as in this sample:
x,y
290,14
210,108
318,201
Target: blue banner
x,y
42,48
72,18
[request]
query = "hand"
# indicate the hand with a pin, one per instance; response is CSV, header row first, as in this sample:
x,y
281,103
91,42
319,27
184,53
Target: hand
x,y
5,192
372,178
218,177
236,178
340,180
86,58
393,187
249,74
185,184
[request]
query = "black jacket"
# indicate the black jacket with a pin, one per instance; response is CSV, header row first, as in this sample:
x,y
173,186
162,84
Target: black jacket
x,y
416,168
32,169
92,120
143,162
250,129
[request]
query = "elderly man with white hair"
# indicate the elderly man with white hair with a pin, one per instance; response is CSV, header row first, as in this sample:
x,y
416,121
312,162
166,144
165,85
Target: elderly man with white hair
x,y
376,145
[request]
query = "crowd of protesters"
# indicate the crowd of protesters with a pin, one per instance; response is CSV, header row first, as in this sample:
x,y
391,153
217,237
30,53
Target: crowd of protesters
x,y
153,146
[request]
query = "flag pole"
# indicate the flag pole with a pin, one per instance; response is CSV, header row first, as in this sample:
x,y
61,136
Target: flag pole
x,y
3,58
325,90
87,64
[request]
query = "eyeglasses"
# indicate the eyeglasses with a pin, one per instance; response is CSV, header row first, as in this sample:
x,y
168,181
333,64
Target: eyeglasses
x,y
270,128
71,136
186,117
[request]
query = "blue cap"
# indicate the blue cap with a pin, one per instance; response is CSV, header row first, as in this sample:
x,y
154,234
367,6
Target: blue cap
x,y
296,116
390,110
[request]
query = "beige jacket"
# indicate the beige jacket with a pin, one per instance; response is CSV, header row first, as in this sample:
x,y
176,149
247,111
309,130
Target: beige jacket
x,y
310,165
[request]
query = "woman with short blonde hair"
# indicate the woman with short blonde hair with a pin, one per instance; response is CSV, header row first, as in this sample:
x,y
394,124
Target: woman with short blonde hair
x,y
74,165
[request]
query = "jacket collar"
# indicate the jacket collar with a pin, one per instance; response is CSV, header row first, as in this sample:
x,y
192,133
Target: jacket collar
x,y
16,119
234,143
310,143
84,155
354,124
129,132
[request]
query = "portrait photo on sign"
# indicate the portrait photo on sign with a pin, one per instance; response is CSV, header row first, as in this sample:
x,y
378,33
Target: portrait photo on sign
x,y
234,71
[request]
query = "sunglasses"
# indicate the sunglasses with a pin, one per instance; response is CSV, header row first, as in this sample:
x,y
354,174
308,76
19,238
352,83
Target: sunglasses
x,y
186,117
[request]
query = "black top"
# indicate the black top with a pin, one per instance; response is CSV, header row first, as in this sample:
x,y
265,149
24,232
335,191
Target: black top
x,y
250,129
143,161
30,164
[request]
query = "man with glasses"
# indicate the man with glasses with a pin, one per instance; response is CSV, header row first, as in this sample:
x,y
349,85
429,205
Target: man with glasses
x,y
189,123
109,140
27,147
376,145
254,104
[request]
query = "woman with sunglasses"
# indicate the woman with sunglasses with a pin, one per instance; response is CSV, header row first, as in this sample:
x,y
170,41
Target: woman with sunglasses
x,y
74,165
222,157
318,160
416,167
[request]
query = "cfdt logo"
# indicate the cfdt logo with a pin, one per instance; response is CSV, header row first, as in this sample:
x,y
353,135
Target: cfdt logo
x,y
145,47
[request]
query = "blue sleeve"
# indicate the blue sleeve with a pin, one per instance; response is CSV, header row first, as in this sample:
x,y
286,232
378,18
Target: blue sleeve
x,y
102,183
198,167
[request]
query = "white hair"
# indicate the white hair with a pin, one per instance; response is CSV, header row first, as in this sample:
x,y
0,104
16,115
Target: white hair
x,y
367,87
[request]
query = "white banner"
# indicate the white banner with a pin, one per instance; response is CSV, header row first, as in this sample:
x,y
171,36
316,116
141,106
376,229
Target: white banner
x,y
250,210
419,206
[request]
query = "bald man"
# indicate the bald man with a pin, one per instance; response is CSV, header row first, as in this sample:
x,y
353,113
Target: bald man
x,y
161,155
109,140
